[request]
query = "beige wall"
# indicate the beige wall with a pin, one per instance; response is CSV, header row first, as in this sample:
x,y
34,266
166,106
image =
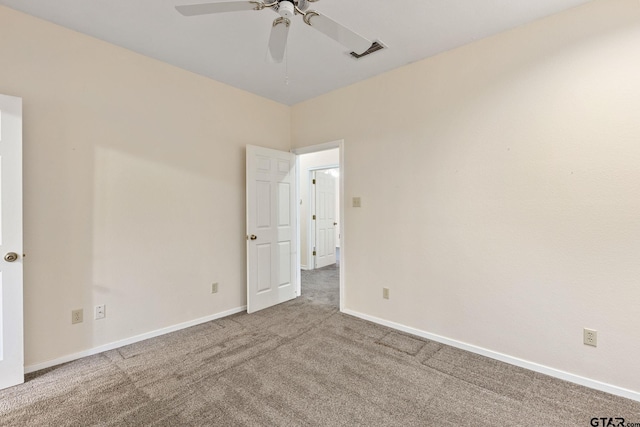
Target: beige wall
x,y
500,191
133,186
307,163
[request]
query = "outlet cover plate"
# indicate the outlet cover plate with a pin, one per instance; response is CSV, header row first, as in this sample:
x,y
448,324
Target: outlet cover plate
x,y
214,288
590,337
385,293
101,312
76,316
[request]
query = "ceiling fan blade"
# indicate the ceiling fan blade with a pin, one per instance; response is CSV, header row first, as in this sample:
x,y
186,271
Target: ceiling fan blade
x,y
278,39
219,7
338,32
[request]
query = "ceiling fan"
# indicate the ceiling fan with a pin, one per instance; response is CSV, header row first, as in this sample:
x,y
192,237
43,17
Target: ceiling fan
x,y
280,29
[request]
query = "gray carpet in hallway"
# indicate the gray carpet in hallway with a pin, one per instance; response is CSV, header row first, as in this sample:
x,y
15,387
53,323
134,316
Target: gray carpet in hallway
x,y
299,363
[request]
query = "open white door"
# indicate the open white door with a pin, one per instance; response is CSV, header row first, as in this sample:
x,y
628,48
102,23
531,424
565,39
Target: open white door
x,y
271,228
11,334
325,223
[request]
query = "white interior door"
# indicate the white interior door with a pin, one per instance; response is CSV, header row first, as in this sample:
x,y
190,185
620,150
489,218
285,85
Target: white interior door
x,y
325,214
271,228
11,328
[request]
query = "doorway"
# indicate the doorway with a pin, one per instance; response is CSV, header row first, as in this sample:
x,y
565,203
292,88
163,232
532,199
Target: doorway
x,y
321,231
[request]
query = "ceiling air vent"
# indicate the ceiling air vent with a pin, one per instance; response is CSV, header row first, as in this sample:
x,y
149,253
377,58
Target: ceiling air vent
x,y
376,46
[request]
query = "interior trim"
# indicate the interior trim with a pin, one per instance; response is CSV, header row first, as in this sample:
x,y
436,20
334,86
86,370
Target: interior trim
x,y
552,372
132,340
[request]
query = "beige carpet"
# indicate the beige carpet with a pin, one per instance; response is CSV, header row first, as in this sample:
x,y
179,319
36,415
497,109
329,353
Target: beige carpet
x,y
299,363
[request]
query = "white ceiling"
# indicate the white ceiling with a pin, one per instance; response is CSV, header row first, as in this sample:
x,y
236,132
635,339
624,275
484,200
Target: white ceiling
x,y
232,47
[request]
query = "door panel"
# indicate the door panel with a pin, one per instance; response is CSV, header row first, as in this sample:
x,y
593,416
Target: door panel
x,y
325,218
285,264
263,207
263,276
271,228
11,323
284,204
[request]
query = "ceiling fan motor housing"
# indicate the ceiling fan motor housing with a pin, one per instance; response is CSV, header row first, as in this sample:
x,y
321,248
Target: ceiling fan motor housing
x,y
286,9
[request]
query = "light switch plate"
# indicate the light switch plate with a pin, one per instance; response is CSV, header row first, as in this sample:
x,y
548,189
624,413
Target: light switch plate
x,y
357,202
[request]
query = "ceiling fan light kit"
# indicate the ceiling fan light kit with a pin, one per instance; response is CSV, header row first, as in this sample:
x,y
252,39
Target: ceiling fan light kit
x,y
286,9
358,45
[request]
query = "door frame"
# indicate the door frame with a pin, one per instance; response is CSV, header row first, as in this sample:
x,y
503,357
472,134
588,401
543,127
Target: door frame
x,y
340,144
311,232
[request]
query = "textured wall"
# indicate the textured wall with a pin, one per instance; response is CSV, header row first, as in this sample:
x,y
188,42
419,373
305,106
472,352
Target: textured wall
x,y
133,186
499,186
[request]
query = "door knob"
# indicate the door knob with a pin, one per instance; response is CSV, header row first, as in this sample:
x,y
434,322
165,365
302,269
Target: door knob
x,y
11,257
253,237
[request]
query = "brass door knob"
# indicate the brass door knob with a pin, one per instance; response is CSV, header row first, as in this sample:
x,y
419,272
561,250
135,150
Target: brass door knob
x,y
11,257
253,237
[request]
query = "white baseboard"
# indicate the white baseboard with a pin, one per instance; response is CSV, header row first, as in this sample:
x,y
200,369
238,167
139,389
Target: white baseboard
x,y
132,340
552,372
304,267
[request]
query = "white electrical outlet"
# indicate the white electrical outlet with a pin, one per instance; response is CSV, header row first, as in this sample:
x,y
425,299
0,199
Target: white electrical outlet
x,y
101,312
76,316
590,337
385,293
214,288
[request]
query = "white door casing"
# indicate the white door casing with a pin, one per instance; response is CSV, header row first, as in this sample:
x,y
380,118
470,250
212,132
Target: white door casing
x,y
271,228
11,322
325,223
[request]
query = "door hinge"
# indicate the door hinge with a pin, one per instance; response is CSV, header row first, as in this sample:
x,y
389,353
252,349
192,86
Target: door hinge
x,y
314,253
313,217
314,180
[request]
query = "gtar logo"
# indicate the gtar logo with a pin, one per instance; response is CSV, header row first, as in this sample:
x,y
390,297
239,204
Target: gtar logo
x,y
607,422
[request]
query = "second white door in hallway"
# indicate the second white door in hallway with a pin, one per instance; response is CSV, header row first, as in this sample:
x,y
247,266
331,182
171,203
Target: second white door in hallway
x,y
325,217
